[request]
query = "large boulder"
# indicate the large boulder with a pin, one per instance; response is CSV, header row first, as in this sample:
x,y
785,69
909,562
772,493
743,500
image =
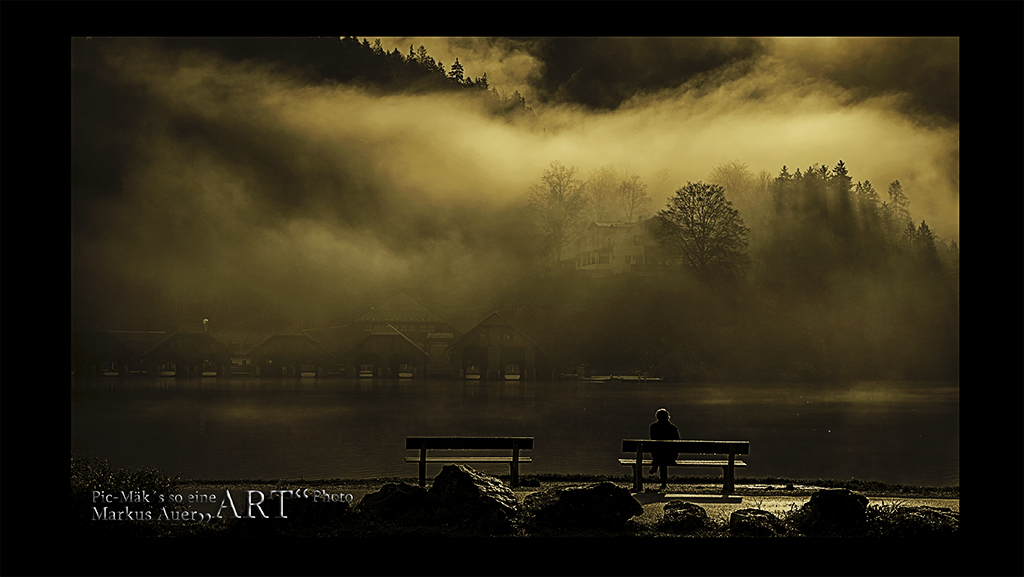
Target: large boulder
x,y
460,500
471,500
680,517
595,506
832,512
401,503
756,523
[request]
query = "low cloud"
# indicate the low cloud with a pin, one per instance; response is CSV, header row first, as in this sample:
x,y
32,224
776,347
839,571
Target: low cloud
x,y
238,179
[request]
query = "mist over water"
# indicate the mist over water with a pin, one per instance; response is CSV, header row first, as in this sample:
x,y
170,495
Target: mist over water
x,y
247,182
894,432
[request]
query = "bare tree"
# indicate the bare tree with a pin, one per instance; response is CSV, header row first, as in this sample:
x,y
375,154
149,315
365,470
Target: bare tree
x,y
703,230
632,196
600,191
660,182
736,179
559,204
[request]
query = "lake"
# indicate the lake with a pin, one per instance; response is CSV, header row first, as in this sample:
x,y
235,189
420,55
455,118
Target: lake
x,y
249,428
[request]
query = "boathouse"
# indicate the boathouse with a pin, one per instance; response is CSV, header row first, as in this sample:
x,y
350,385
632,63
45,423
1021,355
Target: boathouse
x,y
386,353
418,324
292,354
110,353
190,351
496,350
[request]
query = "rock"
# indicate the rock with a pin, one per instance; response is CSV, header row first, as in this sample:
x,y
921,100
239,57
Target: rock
x,y
920,521
598,506
474,501
832,512
460,499
756,523
681,516
400,502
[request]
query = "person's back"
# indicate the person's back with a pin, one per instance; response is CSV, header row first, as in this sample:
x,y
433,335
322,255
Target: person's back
x,y
663,430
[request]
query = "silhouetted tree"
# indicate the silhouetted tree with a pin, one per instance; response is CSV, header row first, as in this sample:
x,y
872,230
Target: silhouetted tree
x,y
456,72
600,191
559,204
632,196
704,231
866,198
897,211
841,178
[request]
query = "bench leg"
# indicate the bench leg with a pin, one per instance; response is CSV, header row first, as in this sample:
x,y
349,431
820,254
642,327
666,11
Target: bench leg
x,y
423,467
638,469
730,485
513,467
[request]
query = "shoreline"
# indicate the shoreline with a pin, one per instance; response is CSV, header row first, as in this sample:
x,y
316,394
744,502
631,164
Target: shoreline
x,y
745,487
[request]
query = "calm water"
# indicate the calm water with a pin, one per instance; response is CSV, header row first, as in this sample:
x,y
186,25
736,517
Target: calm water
x,y
895,432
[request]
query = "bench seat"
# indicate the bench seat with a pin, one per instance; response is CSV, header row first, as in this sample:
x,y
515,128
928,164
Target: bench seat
x,y
686,463
711,449
490,444
468,459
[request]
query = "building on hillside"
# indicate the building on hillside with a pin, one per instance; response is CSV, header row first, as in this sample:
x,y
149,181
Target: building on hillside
x,y
495,350
610,248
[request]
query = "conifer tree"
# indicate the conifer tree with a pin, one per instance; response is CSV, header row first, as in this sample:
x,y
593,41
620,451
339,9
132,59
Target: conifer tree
x,y
456,72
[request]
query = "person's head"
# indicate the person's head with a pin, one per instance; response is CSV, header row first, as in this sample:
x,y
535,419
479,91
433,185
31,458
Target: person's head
x,y
662,414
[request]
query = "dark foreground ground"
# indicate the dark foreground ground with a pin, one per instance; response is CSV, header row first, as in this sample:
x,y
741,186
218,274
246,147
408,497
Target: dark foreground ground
x,y
330,507
352,544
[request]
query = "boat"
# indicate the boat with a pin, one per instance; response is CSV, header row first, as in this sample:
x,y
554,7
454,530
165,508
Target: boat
x,y
472,373
512,373
365,371
634,378
404,371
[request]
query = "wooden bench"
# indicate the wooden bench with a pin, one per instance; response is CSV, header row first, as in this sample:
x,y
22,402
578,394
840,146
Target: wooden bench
x,y
638,447
424,444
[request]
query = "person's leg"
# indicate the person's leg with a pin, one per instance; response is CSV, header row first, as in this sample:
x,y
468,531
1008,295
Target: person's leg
x,y
664,476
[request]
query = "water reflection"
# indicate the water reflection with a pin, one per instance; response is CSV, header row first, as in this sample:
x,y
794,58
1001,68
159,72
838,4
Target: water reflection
x,y
270,428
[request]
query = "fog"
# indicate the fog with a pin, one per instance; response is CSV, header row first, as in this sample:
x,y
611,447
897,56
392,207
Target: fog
x,y
235,185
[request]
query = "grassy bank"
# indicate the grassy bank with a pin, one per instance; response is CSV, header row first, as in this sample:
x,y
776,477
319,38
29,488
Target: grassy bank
x,y
709,485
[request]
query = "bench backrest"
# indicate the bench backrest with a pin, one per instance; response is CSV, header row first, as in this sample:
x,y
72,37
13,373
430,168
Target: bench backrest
x,y
689,447
459,443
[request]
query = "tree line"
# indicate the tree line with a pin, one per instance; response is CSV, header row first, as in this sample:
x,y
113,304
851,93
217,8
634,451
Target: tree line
x,y
818,216
802,275
349,60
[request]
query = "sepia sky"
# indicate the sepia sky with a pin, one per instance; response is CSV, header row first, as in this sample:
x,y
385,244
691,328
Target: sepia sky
x,y
198,178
